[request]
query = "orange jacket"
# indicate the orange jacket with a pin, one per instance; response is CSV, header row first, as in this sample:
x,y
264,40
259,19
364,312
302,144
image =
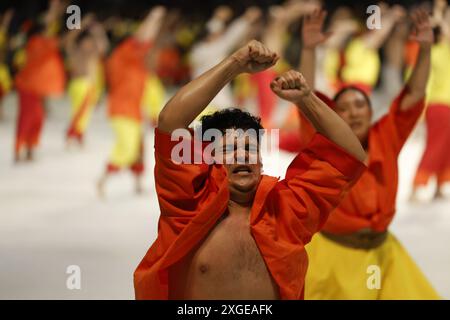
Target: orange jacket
x,y
43,73
284,216
126,75
371,202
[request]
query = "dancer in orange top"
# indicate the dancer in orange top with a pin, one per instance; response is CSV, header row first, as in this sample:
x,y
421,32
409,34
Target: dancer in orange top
x,y
126,75
356,236
42,76
226,231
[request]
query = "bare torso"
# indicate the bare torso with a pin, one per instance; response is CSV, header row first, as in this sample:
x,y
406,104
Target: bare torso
x,y
226,265
83,64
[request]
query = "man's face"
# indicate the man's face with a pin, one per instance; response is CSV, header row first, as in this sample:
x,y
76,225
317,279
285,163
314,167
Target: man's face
x,y
353,108
242,161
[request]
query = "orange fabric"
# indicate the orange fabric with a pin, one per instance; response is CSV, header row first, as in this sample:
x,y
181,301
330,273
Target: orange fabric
x,y
284,216
126,74
43,73
29,121
291,140
265,98
169,64
371,202
435,159
411,53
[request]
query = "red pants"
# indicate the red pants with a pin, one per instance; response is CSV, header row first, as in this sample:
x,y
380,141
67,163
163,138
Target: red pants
x,y
265,97
29,121
436,158
297,139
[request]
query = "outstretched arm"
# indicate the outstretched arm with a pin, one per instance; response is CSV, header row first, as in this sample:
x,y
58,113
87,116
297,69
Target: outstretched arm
x,y
292,86
149,28
441,18
312,36
191,99
280,18
101,39
238,30
6,19
55,11
70,37
417,83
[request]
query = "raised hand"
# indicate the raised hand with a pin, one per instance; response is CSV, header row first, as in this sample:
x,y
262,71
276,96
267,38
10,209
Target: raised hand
x,y
158,12
252,14
290,86
255,57
312,34
223,13
422,31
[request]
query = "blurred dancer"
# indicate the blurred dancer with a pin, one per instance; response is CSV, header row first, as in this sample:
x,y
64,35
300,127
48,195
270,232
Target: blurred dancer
x,y
436,159
127,74
356,234
218,43
274,37
5,77
163,62
352,55
85,48
226,231
42,76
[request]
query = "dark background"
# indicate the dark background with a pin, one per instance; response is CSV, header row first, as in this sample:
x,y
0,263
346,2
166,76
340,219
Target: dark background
x,y
138,8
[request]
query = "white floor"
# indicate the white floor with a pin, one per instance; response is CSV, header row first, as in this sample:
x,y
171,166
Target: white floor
x,y
51,217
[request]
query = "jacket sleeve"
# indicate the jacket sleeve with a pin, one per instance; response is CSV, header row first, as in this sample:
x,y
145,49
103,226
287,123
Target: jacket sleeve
x,y
182,185
396,126
315,183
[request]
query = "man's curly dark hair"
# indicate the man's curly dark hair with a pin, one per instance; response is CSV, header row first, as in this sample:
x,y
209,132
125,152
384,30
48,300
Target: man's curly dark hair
x,y
231,118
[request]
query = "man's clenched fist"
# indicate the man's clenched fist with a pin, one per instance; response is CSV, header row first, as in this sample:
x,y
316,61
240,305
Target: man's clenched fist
x,y
255,57
290,86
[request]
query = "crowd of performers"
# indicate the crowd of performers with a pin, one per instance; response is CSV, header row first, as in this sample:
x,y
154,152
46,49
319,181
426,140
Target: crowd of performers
x,y
357,72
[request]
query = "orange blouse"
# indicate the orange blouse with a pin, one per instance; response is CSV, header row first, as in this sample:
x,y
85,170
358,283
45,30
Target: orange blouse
x,y
371,202
126,75
43,73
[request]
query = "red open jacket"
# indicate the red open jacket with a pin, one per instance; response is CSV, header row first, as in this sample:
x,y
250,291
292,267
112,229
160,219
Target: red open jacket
x,y
284,216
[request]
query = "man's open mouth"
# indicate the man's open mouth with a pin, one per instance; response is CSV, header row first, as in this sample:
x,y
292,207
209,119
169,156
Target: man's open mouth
x,y
242,170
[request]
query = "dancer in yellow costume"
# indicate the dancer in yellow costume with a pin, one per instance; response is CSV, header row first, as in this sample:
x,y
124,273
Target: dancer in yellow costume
x,y
355,256
85,48
352,56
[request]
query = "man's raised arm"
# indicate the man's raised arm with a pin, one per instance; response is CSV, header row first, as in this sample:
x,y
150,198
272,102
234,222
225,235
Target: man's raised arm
x,y
194,97
292,86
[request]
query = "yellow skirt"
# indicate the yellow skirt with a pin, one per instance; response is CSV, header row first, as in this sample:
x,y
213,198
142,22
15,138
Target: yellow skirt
x,y
153,97
386,272
127,148
5,79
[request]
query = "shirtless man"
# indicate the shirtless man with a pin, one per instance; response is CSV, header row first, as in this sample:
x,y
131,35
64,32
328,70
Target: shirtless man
x,y
227,231
85,48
